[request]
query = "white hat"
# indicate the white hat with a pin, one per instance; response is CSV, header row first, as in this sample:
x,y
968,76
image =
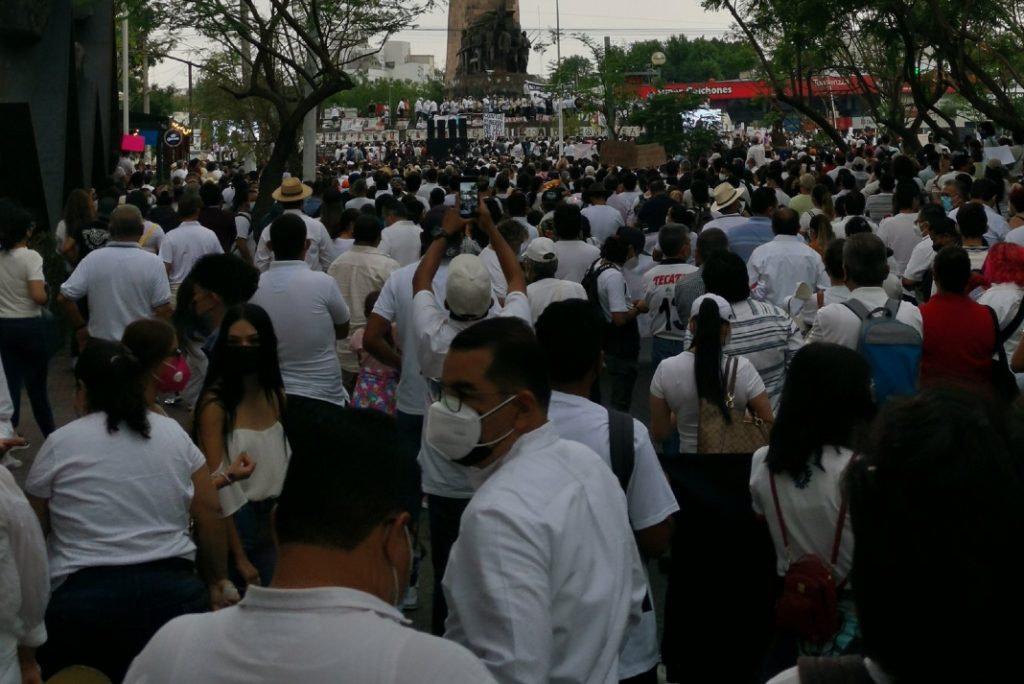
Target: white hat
x,y
724,194
468,290
724,307
541,250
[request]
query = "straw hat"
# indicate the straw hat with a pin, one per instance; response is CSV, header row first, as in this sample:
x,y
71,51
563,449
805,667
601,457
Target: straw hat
x,y
292,190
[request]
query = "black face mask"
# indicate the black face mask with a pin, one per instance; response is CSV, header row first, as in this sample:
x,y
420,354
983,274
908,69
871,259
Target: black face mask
x,y
242,360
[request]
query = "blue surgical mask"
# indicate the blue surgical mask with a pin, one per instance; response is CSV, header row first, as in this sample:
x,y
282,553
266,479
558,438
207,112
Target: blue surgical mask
x,y
947,203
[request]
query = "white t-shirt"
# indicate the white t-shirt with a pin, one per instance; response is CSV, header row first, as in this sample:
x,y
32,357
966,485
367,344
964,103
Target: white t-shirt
x,y
605,221
498,283
612,293
546,291
330,634
649,499
243,231
401,241
900,234
115,498
394,304
675,382
152,237
810,508
304,306
318,254
359,203
17,268
574,258
659,293
185,245
123,282
921,258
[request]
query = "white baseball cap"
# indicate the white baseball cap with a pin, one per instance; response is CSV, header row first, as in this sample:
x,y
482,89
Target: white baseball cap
x,y
468,290
724,307
541,250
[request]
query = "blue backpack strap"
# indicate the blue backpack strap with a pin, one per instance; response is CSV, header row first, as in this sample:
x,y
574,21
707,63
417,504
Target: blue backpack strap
x,y
858,308
892,307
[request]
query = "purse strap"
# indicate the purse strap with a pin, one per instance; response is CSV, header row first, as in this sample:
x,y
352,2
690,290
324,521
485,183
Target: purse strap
x,y
837,540
731,366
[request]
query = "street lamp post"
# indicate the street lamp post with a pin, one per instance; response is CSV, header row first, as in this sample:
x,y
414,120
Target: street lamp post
x,y
558,58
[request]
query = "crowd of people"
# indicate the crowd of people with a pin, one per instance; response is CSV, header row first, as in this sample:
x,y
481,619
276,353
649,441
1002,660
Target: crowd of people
x,y
828,467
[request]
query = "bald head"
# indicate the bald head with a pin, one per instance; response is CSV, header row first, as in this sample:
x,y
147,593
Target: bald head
x,y
125,223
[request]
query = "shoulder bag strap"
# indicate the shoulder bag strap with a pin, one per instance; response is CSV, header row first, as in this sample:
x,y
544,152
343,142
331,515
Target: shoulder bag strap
x,y
620,446
858,308
778,512
1000,349
1011,328
731,366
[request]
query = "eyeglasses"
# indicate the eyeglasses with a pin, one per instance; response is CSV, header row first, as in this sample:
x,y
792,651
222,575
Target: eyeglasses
x,y
453,398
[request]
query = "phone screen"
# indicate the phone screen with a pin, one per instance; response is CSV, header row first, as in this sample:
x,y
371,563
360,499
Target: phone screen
x,y
469,196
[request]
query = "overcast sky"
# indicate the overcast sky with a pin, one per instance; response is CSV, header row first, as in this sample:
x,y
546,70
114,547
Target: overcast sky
x,y
625,22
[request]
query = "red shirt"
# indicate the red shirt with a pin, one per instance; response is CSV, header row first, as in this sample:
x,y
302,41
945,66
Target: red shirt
x,y
959,342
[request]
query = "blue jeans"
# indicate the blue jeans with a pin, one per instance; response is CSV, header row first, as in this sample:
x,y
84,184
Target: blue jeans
x,y
103,616
445,515
665,348
252,521
24,350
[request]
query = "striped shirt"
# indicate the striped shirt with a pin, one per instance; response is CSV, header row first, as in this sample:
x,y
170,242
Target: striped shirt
x,y
768,338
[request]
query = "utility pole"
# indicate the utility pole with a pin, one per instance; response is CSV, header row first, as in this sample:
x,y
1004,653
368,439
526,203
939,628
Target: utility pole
x,y
560,94
124,73
609,96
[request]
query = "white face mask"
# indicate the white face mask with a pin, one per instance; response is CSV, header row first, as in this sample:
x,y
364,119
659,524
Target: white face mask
x,y
455,434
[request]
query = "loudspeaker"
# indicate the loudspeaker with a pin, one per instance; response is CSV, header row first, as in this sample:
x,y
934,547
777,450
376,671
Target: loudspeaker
x,y
430,128
453,129
463,133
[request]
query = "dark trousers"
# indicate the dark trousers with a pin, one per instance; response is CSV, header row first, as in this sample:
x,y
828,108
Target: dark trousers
x,y
622,373
252,522
410,438
102,617
24,350
444,514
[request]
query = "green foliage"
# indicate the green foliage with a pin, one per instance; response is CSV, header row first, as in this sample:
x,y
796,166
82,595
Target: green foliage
x,y
385,91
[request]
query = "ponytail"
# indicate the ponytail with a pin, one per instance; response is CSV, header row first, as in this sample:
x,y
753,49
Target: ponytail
x,y
113,380
708,356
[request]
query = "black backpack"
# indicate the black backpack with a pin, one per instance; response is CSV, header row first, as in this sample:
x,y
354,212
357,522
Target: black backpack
x,y
589,281
620,446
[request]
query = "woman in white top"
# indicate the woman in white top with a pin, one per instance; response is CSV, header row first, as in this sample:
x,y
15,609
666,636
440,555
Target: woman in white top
x,y
24,344
680,382
115,491
238,418
807,457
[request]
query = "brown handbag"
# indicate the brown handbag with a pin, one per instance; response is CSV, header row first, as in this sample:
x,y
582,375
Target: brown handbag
x,y
745,434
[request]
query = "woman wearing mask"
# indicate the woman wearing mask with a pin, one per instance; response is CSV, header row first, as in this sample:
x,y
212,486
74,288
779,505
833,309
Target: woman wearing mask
x,y
796,481
114,492
238,420
24,343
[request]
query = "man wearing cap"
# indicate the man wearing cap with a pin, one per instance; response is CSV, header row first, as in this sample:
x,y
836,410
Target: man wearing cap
x,y
803,203
291,195
726,208
541,265
186,244
778,267
468,299
605,221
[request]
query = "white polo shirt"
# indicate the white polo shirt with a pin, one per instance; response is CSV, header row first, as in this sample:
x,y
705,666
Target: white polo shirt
x,y
315,636
401,241
545,576
649,500
304,306
123,282
900,234
542,293
837,324
184,246
318,254
574,258
604,220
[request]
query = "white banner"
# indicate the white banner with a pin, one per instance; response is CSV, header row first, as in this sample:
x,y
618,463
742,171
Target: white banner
x,y
494,126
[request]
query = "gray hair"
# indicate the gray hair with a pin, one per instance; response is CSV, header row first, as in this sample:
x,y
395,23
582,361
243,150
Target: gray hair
x,y
864,260
125,221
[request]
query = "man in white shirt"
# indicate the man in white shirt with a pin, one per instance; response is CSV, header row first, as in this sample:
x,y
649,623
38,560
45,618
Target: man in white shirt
x,y
401,237
541,264
983,192
186,244
468,299
778,267
667,329
547,528
358,190
864,260
570,333
291,195
605,220
900,232
344,559
122,281
625,199
574,255
308,313
359,272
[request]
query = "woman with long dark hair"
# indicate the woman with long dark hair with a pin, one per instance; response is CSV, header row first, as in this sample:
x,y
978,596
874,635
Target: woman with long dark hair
x,y
682,381
796,481
24,342
114,492
238,418
79,214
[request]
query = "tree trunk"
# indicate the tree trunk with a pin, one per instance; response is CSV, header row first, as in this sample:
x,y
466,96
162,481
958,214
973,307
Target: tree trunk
x,y
270,179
